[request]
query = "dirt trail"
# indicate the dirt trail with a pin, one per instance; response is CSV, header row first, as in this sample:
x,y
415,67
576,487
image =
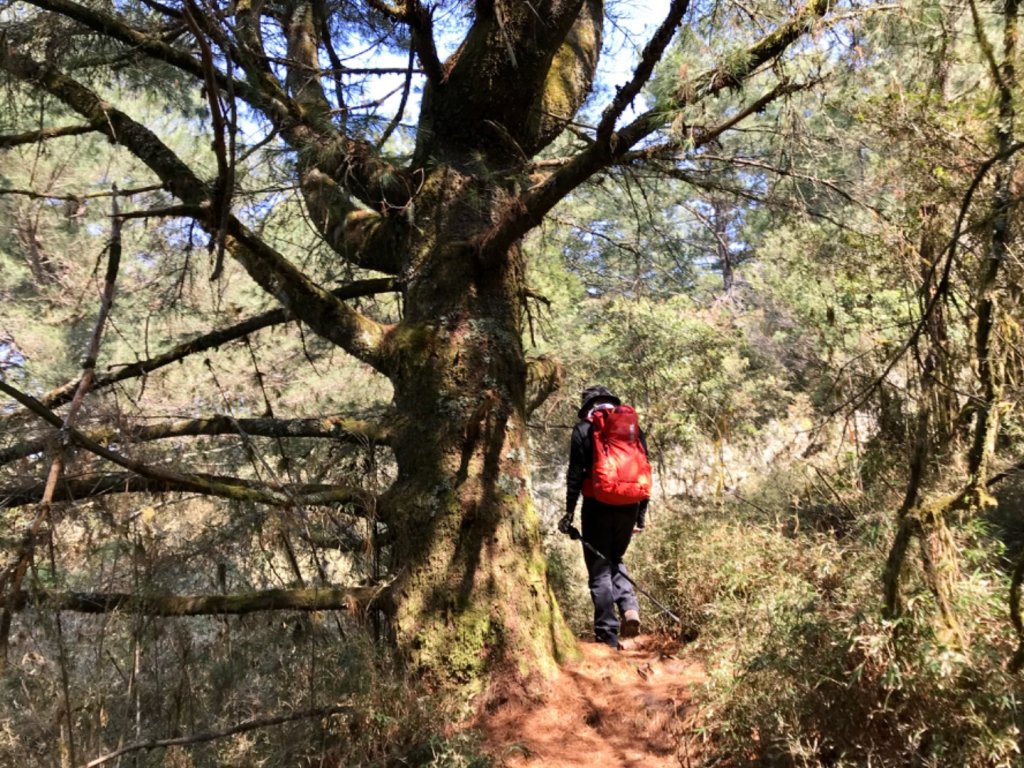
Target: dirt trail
x,y
622,708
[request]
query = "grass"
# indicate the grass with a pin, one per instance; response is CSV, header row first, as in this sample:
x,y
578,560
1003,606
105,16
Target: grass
x,y
802,668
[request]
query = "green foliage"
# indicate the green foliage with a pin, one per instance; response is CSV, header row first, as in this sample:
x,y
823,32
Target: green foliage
x,y
802,669
688,368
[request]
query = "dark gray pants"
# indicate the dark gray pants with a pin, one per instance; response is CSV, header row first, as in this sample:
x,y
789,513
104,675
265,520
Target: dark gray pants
x,y
609,530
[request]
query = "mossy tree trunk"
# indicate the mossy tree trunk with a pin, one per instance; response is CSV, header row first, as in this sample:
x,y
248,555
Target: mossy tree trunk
x,y
928,521
472,590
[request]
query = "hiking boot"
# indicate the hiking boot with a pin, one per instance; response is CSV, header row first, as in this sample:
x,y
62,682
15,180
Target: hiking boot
x,y
630,623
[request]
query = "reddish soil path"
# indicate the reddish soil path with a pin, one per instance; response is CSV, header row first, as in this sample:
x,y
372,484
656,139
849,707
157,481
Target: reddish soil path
x,y
614,708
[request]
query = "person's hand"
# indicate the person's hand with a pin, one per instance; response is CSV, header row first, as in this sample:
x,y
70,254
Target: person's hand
x,y
565,524
638,529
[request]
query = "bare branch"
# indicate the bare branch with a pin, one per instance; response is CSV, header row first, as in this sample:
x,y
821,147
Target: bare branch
x,y
337,428
160,482
312,599
397,119
44,134
147,479
35,195
13,575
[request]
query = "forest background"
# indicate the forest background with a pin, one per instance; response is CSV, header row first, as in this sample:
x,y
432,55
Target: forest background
x,y
797,254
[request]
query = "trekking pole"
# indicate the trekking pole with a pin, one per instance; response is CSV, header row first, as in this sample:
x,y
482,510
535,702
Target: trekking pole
x,y
575,535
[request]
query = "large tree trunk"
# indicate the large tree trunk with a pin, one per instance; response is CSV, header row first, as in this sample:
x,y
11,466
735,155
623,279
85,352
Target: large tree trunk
x,y
472,591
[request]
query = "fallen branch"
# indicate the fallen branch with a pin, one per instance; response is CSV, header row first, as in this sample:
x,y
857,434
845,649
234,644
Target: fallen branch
x,y
245,725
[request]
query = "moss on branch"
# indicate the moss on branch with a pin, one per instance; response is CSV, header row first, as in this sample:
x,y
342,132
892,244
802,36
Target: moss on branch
x,y
236,489
337,428
354,599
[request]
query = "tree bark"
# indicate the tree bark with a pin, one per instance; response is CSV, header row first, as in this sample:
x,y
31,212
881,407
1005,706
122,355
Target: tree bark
x,y
472,594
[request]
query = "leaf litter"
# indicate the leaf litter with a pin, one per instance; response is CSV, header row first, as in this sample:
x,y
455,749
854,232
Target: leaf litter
x,y
629,708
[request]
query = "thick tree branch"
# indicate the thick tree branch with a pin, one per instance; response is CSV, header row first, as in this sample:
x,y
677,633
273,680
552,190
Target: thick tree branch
x,y
544,377
513,43
303,76
528,210
147,479
340,429
998,249
375,182
160,482
268,97
569,79
353,165
420,21
331,166
362,237
162,604
421,24
312,304
328,316
716,80
652,54
119,127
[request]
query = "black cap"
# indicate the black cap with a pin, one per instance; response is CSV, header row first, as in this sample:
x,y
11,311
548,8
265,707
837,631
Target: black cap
x,y
593,395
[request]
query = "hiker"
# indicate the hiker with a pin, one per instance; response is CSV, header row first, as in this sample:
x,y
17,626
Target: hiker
x,y
607,527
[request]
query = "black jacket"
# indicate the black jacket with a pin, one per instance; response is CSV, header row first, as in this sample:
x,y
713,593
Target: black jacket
x,y
581,461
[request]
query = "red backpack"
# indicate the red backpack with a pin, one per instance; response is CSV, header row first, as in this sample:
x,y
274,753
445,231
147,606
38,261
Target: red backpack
x,y
621,473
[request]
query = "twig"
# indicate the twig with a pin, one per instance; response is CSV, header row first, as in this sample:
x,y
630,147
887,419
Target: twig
x,y
88,196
